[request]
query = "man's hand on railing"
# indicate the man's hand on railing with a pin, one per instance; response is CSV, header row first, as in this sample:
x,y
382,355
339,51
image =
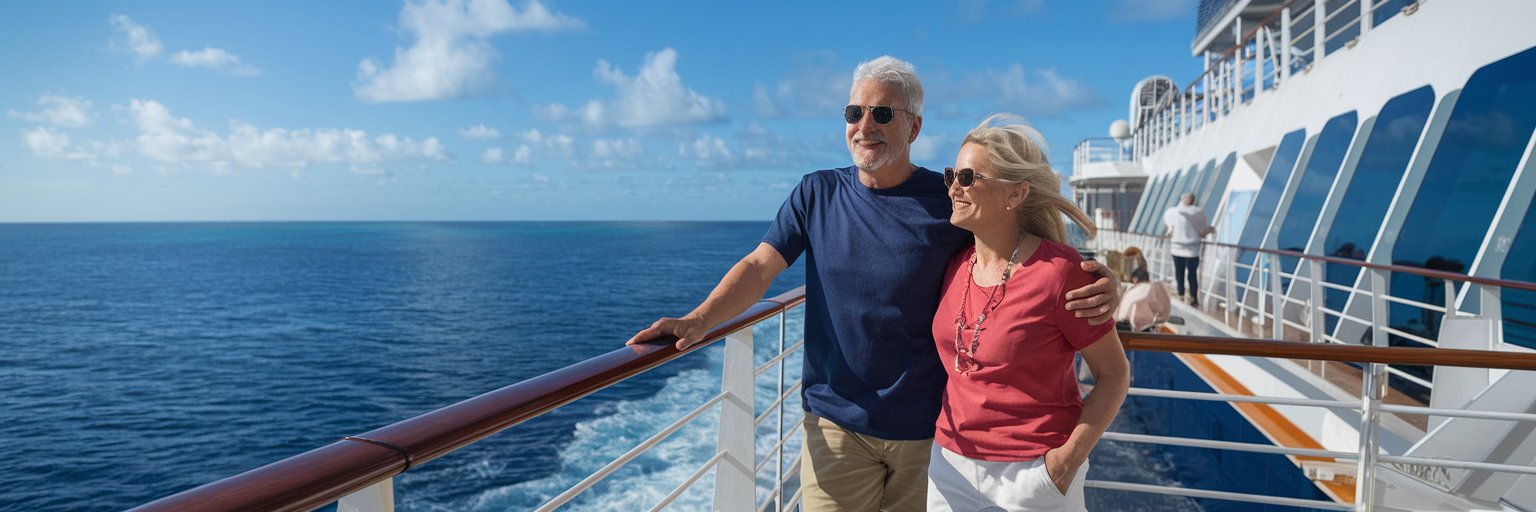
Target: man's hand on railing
x,y
689,331
1097,301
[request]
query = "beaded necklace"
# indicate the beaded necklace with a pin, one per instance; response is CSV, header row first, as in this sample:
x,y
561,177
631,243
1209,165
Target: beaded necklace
x,y
965,360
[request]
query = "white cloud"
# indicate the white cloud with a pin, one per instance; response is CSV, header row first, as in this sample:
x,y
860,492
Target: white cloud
x,y
492,156
710,149
754,147
654,97
1134,11
451,55
137,40
934,149
46,142
216,59
817,87
627,153
523,156
1030,93
480,132
59,111
164,137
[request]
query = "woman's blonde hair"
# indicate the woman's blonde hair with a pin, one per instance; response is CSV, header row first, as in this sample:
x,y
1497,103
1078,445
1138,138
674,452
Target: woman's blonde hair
x,y
1018,153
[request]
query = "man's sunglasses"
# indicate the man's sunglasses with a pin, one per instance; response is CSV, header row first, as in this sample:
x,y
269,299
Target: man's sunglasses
x,y
883,113
966,177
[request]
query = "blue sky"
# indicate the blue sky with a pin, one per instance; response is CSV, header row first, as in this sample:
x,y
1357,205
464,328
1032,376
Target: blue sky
x,y
516,110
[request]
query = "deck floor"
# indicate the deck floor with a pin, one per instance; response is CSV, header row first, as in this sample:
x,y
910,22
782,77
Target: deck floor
x,y
1343,375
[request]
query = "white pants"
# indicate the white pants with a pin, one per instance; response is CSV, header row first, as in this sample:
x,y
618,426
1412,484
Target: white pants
x,y
959,483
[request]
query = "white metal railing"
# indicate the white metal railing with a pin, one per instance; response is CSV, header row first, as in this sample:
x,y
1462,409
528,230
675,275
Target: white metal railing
x,y
1292,40
735,463
1269,307
1102,149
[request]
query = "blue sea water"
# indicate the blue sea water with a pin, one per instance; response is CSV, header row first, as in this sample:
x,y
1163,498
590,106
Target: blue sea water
x,y
139,360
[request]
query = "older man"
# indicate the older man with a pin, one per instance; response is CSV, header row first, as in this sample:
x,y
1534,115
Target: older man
x,y
876,237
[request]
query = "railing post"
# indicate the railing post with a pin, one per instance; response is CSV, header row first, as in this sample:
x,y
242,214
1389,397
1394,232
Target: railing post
x,y
1372,383
1316,268
1450,300
1365,16
1258,60
379,497
734,486
1319,26
1231,278
778,473
1277,298
1285,44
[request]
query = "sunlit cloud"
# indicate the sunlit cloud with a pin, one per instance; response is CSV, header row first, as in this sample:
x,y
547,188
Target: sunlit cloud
x,y
480,132
59,111
1036,93
651,98
451,54
816,87
135,39
216,59
169,139
140,42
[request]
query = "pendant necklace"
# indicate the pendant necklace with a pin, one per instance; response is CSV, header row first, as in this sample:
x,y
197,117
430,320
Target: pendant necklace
x,y
965,360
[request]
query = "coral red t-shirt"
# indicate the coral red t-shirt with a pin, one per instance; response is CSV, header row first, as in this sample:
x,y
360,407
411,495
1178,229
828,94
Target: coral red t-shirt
x,y
1021,399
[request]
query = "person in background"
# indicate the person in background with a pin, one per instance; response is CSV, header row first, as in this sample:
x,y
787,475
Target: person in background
x,y
1014,433
1133,259
1144,305
1186,226
876,236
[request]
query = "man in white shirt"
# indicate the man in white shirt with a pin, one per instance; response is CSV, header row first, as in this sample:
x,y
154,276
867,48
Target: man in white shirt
x,y
1186,226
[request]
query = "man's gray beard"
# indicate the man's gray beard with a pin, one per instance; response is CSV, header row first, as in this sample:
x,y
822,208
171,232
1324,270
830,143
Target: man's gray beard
x,y
878,162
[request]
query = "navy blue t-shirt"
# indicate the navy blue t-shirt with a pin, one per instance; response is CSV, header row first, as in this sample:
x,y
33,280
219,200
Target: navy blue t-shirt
x,y
875,261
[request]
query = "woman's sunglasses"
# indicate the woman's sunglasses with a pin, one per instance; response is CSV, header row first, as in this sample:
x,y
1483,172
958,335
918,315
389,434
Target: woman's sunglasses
x,y
883,113
966,177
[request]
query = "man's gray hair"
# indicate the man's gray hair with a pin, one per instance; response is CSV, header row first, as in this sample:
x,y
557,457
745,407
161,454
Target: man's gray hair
x,y
897,72
1188,198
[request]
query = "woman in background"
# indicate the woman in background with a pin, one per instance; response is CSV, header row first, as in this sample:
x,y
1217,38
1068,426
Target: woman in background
x,y
1014,431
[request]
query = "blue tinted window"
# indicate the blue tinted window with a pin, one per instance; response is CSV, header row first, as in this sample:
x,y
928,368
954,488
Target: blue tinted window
x,y
1202,181
1155,206
1394,135
1471,170
1312,189
1145,203
1170,199
1268,198
1387,10
1211,196
1519,306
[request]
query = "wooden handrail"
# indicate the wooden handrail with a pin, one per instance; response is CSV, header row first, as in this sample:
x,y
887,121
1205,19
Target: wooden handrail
x,y
1402,269
1328,351
333,471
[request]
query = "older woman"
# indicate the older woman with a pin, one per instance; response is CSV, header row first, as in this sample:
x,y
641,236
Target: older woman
x,y
1014,432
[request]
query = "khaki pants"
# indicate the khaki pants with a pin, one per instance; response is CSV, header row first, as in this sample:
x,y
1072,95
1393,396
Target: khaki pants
x,y
841,470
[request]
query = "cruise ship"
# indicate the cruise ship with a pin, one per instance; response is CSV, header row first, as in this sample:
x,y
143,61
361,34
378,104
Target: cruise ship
x,y
1366,335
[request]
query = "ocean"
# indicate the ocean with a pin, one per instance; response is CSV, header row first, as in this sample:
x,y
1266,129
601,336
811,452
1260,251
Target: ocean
x,y
139,360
